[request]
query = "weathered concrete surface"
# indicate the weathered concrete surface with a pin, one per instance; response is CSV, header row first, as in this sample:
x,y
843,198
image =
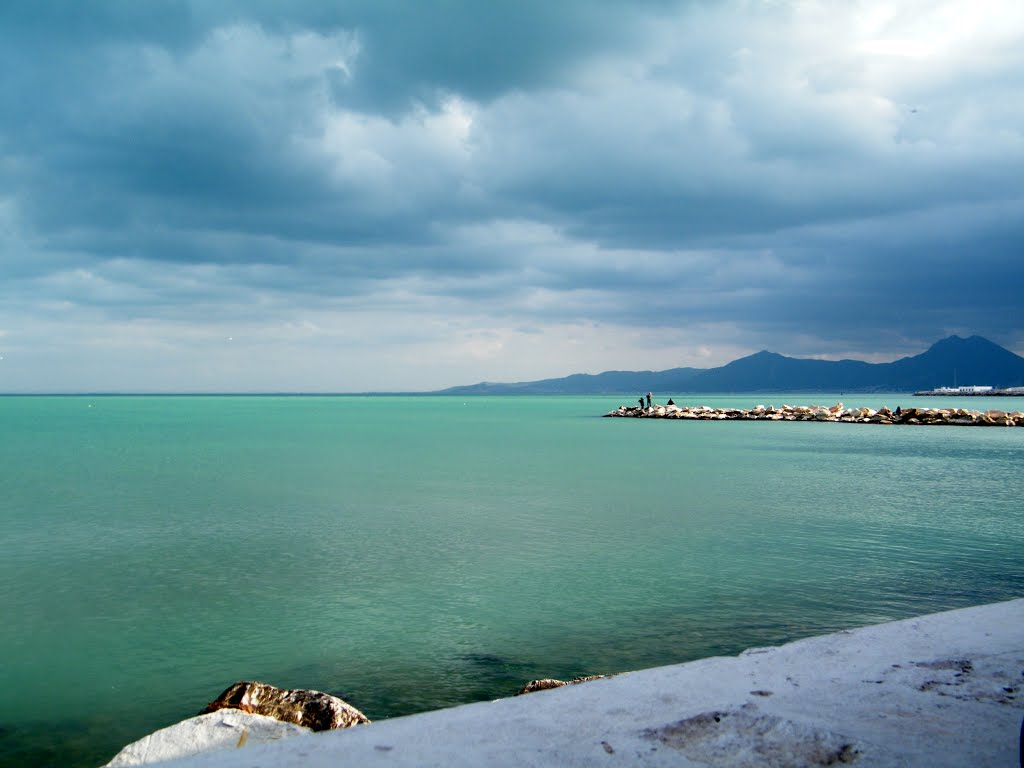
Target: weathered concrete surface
x,y
939,690
953,417
221,730
315,710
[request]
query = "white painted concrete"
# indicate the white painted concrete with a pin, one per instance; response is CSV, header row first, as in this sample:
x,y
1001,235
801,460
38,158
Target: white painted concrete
x,y
221,730
939,690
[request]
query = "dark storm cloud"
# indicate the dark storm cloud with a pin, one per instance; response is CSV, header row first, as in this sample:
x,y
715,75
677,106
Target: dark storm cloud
x,y
801,174
117,109
480,50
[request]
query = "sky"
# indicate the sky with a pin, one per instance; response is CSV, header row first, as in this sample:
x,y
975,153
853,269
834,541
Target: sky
x,y
405,195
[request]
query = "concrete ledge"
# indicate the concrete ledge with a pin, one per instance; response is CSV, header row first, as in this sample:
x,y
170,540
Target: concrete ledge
x,y
939,690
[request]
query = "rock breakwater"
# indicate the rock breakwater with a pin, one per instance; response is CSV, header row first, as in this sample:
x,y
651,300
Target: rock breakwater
x,y
958,417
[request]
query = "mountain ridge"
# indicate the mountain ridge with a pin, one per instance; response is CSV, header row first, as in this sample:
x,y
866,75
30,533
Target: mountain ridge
x,y
972,360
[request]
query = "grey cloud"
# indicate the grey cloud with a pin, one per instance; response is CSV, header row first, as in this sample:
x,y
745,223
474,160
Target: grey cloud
x,y
649,165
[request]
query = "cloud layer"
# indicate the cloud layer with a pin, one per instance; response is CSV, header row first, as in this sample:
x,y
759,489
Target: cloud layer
x,y
397,195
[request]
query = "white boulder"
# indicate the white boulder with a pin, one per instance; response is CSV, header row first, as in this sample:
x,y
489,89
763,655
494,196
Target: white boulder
x,y
221,730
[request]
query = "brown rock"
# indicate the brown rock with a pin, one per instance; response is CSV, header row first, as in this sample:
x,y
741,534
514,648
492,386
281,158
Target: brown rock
x,y
549,682
541,685
312,709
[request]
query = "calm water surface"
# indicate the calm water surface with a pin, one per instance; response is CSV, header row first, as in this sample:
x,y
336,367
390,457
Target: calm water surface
x,y
410,553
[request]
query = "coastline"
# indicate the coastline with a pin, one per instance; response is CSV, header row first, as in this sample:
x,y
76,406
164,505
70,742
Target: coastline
x,y
942,689
994,393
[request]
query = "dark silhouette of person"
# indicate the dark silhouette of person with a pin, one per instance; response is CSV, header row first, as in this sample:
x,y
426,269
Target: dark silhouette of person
x,y
648,399
641,401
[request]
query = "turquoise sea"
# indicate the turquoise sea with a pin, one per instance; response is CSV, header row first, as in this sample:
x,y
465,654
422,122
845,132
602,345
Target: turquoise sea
x,y
409,553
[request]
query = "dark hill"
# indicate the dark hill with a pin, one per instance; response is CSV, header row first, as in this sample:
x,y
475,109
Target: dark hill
x,y
953,360
607,383
960,361
771,372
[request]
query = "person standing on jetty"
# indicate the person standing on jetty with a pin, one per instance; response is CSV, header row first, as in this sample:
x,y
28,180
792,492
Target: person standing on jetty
x,y
648,399
641,401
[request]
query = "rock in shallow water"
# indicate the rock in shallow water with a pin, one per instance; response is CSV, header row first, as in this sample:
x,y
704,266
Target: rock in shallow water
x,y
550,682
311,709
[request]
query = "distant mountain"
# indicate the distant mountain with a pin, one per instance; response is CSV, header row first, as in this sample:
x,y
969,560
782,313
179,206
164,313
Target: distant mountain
x,y
607,383
964,361
952,360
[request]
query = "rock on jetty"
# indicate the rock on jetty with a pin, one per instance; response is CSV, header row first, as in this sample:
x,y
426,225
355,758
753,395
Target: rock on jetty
x,y
959,417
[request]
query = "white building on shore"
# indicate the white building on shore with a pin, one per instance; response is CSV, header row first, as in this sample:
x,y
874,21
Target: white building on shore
x,y
969,390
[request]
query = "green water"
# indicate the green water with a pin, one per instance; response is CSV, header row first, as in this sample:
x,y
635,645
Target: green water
x,y
410,553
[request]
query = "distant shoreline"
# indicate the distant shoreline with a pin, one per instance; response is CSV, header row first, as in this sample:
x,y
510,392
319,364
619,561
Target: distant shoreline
x,y
1009,392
